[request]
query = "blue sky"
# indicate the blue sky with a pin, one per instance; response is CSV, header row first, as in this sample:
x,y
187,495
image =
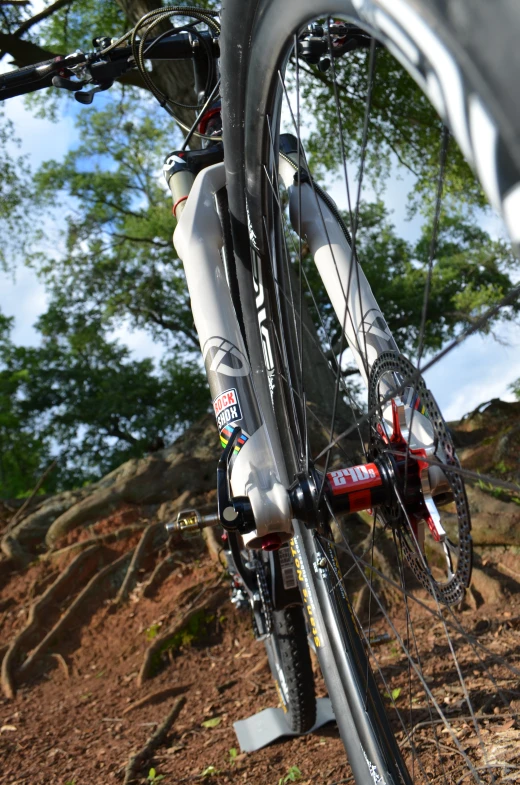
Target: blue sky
x,y
22,295
477,371
482,367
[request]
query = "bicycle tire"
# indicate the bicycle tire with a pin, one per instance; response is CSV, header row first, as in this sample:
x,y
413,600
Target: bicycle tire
x,y
264,46
291,668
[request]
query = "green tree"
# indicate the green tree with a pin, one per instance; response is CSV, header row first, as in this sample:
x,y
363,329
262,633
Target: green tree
x,y
23,452
119,263
80,394
82,398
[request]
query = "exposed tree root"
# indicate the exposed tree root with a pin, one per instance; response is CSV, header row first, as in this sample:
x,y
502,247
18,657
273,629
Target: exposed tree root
x,y
155,740
513,573
217,596
101,539
19,514
62,662
213,544
361,603
139,554
261,665
160,573
489,588
64,621
157,697
83,563
6,603
25,540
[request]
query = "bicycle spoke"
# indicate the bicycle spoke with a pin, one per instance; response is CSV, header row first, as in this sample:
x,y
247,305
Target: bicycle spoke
x,y
509,298
413,665
429,722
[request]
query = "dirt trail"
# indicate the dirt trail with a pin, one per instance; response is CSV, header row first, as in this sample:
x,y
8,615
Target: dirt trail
x,y
75,721
73,646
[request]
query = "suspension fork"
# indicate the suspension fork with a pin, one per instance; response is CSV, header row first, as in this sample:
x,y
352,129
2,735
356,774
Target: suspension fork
x,y
257,478
255,473
356,308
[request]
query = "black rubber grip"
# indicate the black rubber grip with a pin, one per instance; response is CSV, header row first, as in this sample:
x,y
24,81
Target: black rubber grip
x,y
23,74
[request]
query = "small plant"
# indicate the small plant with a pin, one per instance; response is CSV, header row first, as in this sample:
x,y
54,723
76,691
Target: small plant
x,y
293,775
153,777
210,771
152,631
394,694
212,723
394,650
233,754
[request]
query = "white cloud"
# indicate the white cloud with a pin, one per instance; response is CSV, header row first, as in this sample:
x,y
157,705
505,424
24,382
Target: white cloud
x,y
139,342
24,298
41,139
478,370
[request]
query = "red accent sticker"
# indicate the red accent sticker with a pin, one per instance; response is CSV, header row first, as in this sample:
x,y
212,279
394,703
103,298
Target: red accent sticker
x,y
355,478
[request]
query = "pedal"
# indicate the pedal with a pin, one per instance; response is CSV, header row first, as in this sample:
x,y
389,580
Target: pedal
x,y
190,523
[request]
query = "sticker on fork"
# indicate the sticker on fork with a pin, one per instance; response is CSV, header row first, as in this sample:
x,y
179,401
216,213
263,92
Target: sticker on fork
x,y
225,436
227,408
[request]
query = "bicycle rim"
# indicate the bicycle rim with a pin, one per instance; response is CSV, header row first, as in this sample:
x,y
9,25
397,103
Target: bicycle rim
x,y
448,709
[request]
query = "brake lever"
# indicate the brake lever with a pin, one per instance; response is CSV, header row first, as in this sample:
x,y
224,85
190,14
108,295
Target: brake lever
x,y
67,84
87,96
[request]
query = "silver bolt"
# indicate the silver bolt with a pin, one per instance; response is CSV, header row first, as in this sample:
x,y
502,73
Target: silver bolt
x,y
321,562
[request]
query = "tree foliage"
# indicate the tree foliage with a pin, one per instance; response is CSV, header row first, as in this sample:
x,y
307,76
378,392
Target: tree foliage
x,y
80,394
82,398
118,262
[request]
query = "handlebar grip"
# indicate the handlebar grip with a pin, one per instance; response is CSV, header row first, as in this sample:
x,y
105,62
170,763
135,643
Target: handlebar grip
x,y
28,78
21,74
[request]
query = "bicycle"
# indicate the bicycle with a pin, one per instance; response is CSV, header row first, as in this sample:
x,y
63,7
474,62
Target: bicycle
x,y
236,215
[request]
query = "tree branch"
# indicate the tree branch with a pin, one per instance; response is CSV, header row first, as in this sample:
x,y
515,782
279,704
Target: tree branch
x,y
116,431
140,240
23,52
49,11
170,324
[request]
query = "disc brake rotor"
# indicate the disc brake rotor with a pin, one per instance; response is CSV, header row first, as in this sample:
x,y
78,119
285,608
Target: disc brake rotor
x,y
408,432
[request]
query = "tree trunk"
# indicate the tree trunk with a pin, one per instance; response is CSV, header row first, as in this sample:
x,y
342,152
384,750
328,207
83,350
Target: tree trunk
x,y
174,79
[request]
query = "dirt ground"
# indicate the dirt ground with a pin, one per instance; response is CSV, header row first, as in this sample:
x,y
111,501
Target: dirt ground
x,y
74,720
91,669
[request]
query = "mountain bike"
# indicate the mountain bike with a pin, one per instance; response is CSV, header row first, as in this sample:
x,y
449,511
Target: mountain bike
x,y
307,494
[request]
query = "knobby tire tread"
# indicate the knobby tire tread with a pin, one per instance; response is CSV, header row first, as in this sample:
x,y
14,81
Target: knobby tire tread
x,y
291,636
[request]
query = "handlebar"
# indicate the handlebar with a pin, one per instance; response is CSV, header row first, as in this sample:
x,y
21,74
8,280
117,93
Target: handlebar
x,y
98,68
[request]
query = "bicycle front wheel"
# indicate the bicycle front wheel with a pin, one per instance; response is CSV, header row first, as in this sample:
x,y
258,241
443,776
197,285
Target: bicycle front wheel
x,y
418,709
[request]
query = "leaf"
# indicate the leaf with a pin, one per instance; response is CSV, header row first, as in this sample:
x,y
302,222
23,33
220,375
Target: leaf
x,y
394,695
293,775
211,770
212,723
